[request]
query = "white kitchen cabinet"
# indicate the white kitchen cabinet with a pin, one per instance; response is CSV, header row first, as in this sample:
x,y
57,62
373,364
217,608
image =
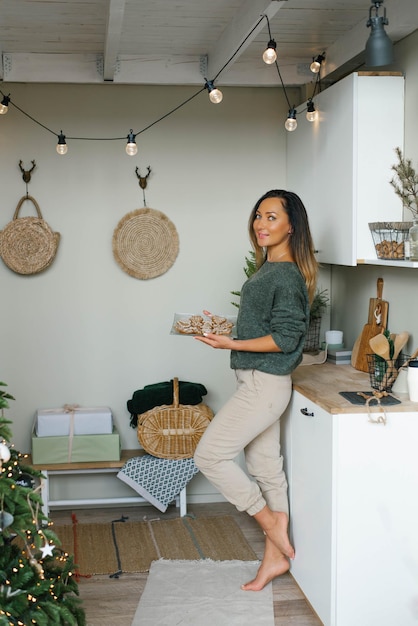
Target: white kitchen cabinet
x,y
353,492
340,165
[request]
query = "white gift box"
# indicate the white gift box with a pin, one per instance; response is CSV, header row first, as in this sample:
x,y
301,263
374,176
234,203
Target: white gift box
x,y
74,420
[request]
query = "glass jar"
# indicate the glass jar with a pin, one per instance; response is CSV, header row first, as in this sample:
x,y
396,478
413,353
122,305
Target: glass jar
x,y
413,241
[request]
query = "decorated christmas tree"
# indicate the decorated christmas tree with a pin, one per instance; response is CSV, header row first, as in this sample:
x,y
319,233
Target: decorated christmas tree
x,y
37,580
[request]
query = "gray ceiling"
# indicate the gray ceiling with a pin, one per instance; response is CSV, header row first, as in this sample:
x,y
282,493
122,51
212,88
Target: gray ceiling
x,y
181,41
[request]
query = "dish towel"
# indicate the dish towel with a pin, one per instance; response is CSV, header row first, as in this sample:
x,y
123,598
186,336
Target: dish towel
x,y
157,480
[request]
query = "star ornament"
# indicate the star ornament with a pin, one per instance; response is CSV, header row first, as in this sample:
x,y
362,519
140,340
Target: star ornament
x,y
47,550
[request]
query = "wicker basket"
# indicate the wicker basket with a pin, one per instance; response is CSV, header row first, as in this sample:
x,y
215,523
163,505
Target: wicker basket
x,y
173,431
389,239
27,244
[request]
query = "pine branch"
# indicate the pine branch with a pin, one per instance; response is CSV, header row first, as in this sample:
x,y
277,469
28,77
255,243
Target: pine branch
x,y
405,183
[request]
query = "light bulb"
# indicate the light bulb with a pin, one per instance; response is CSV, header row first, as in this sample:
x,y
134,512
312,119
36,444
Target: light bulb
x,y
311,113
291,123
131,147
269,54
315,66
4,106
216,96
62,147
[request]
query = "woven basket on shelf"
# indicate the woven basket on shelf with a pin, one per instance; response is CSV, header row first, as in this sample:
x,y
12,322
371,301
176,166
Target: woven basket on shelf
x,y
173,431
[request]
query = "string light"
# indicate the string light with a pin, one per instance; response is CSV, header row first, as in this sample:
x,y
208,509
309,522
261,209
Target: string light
x,y
215,94
4,106
62,147
270,54
311,113
291,123
131,147
315,66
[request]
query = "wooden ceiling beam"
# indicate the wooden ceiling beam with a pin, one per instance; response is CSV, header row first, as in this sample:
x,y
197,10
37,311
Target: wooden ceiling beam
x,y
245,24
112,39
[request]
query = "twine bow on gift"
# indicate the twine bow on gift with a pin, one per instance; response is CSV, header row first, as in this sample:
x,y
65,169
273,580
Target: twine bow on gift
x,y
71,408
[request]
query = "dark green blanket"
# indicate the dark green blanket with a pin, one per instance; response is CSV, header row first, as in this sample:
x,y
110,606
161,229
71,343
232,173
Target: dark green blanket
x,y
162,393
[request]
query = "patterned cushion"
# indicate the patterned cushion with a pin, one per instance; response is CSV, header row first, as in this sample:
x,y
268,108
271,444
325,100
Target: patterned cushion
x,y
158,480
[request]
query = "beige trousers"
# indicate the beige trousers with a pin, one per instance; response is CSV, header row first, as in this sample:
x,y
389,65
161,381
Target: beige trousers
x,y
249,421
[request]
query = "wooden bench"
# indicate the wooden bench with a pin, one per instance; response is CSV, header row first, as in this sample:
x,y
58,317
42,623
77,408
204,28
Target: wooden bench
x,y
92,467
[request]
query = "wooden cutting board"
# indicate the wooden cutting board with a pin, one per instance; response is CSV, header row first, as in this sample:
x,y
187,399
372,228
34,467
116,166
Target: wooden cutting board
x,y
376,323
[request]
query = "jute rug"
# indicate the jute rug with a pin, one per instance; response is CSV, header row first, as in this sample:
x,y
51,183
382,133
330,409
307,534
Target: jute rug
x,y
123,546
204,593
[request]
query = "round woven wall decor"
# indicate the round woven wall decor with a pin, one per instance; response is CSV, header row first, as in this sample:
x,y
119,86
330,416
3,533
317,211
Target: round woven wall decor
x,y
145,243
27,244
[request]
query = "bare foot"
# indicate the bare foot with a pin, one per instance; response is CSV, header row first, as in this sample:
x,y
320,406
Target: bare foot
x,y
274,564
274,524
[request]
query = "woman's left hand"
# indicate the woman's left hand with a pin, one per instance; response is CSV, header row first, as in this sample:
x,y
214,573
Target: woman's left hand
x,y
222,342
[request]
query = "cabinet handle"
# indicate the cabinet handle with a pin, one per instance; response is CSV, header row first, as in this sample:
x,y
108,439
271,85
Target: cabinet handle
x,y
306,412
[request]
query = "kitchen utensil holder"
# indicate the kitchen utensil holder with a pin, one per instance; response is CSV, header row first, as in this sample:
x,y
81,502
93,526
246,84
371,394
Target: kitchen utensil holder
x,y
384,373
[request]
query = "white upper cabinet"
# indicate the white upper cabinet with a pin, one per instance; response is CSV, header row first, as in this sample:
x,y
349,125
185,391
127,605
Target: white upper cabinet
x,y
340,165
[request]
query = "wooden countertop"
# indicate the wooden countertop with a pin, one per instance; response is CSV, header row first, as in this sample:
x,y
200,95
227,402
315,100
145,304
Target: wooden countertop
x,y
322,383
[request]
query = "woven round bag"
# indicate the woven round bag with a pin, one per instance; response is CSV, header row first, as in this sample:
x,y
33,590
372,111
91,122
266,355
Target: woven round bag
x,y
27,244
145,243
173,431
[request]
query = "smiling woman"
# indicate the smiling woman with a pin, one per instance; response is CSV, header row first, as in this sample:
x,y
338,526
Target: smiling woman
x,y
271,326
273,230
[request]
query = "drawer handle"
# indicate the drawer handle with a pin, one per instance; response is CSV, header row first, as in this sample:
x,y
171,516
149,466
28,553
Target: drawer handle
x,y
306,412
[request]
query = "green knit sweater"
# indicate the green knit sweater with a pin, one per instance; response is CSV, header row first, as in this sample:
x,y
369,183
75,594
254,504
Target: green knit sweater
x,y
274,301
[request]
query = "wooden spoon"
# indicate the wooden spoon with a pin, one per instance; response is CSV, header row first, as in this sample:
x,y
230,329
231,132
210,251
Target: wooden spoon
x,y
380,346
400,341
411,358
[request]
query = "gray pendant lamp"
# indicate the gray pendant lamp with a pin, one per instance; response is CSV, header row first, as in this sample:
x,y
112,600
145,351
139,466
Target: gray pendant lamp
x,y
379,47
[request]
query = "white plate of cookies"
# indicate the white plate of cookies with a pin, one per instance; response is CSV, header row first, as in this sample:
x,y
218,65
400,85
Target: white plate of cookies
x,y
191,325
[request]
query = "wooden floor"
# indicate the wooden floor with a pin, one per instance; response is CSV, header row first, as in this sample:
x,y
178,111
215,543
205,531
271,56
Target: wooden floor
x,y
112,602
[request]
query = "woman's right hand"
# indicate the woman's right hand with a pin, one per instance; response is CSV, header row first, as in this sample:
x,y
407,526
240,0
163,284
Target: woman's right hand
x,y
220,342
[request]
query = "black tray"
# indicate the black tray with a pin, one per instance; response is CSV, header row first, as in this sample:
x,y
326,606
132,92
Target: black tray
x,y
354,398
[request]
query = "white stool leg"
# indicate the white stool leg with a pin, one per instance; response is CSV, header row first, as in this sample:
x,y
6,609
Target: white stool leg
x,y
183,502
45,493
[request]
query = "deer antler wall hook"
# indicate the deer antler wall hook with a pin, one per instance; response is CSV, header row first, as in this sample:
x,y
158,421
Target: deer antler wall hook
x,y
26,174
143,180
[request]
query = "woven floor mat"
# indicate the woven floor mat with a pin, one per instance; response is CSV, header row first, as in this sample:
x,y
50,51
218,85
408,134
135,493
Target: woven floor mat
x,y
123,546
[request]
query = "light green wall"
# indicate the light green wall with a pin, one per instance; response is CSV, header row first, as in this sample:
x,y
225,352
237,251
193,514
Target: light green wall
x,y
84,331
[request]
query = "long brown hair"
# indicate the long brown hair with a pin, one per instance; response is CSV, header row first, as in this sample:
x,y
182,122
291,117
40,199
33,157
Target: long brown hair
x,y
300,242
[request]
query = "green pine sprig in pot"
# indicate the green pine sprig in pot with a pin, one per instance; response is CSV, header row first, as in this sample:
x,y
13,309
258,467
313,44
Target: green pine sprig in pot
x,y
405,183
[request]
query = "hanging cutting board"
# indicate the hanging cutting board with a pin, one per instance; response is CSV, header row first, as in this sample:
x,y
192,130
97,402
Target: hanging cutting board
x,y
376,323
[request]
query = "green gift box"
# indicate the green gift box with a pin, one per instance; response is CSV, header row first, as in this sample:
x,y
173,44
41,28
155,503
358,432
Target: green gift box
x,y
76,449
